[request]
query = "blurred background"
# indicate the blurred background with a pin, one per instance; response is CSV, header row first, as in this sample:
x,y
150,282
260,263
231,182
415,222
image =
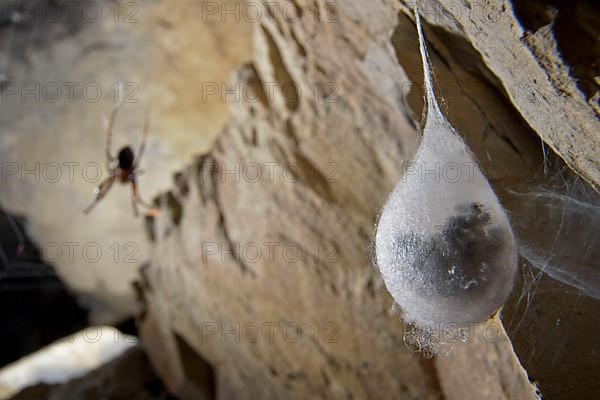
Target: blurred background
x,y
71,65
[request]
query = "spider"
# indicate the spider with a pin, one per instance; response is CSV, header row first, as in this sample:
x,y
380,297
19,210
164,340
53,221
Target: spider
x,y
123,169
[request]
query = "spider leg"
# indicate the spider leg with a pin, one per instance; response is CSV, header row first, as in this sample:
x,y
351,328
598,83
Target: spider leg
x,y
111,123
100,192
144,139
136,199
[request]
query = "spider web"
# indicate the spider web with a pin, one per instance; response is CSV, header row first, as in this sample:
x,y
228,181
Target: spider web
x,y
553,314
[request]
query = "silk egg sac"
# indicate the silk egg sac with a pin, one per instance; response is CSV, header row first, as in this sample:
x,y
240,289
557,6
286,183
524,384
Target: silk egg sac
x,y
444,245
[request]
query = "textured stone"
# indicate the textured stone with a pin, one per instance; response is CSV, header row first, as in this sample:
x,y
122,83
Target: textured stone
x,y
366,130
531,65
128,377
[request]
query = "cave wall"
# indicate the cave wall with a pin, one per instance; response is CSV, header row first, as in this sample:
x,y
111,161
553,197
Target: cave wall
x,y
336,93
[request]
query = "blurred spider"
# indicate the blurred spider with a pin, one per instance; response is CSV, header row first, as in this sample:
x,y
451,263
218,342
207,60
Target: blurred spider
x,y
123,169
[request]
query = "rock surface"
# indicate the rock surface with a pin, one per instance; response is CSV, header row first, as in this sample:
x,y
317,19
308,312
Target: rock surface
x,y
532,67
305,163
129,377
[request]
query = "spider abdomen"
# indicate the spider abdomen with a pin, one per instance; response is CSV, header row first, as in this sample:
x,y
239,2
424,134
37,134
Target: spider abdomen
x,y
126,158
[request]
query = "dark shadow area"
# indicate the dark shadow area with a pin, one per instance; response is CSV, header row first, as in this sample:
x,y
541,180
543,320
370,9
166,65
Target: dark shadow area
x,y
36,307
576,29
200,376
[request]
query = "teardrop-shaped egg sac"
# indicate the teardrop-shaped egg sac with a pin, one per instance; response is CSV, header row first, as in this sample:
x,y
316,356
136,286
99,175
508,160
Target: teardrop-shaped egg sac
x,y
444,245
